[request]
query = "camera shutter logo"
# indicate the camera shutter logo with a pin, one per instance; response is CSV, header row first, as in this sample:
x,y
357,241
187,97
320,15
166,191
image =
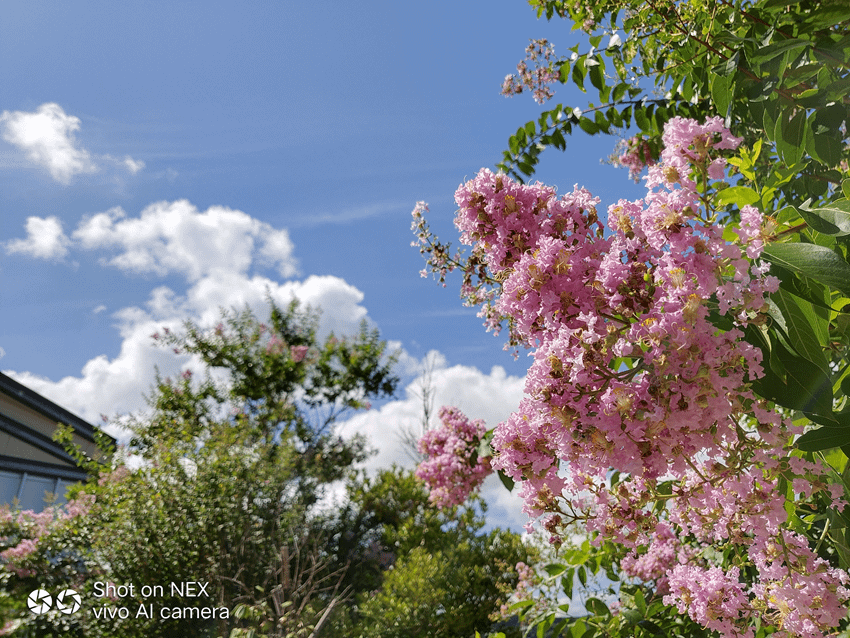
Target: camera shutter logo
x,y
39,601
68,601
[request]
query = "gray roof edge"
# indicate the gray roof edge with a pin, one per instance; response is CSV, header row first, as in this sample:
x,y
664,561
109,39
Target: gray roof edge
x,y
46,407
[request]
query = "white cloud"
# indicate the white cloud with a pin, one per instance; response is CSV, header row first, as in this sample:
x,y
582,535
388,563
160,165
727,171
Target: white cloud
x,y
47,137
174,237
131,165
134,166
113,386
215,251
350,215
45,239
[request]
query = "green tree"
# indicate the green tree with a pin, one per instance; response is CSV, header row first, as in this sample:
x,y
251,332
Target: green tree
x,y
228,472
417,570
778,73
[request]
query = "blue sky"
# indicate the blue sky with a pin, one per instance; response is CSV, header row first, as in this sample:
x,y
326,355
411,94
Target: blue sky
x,y
160,160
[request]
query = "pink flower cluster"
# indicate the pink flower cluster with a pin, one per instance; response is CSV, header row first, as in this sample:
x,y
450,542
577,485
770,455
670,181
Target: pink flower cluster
x,y
631,374
449,472
535,72
25,528
276,346
712,597
663,552
635,154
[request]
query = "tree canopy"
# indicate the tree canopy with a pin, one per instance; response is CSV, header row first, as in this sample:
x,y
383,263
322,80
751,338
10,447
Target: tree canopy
x,y
687,401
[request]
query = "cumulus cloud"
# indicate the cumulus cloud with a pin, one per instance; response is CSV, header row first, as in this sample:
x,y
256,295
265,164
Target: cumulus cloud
x,y
45,239
117,385
174,237
215,252
47,137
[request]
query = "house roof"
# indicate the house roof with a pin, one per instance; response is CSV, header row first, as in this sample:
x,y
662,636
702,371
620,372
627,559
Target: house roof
x,y
45,406
29,420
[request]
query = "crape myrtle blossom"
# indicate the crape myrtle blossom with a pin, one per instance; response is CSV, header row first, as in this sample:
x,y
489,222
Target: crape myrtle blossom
x,y
536,72
635,154
21,531
453,470
629,373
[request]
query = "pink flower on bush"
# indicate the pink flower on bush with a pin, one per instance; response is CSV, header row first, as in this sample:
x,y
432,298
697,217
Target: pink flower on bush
x,y
635,154
711,597
275,345
27,528
448,469
298,353
663,552
14,556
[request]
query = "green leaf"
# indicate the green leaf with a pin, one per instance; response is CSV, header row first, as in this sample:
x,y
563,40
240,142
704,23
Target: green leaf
x,y
828,149
632,616
525,167
845,188
721,93
588,126
523,604
620,91
818,262
558,140
558,627
642,120
507,481
739,195
555,569
640,601
823,438
578,74
578,629
789,380
596,606
832,219
568,581
799,316
601,121
652,627
597,78
769,52
791,136
582,576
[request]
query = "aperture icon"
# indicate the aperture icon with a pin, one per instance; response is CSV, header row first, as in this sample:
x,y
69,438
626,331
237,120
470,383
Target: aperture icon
x,y
68,601
39,601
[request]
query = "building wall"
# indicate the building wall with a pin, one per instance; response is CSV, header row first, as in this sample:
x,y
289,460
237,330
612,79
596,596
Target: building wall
x,y
35,471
